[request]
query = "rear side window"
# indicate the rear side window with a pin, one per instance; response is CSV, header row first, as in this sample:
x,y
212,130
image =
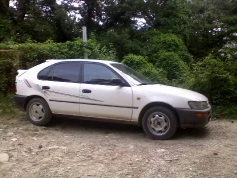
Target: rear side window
x,y
46,74
62,72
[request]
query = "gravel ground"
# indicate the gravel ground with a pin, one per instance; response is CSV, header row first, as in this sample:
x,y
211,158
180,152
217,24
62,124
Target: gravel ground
x,y
76,148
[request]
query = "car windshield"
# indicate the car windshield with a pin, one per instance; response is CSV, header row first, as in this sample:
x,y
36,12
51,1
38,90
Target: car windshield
x,y
132,75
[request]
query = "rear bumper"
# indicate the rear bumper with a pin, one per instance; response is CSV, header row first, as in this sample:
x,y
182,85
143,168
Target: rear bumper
x,y
20,101
194,118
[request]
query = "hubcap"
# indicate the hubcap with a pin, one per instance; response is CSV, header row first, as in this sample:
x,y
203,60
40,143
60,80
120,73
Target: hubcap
x,y
36,111
158,123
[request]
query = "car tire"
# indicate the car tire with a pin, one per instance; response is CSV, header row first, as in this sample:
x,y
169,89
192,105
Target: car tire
x,y
159,123
38,112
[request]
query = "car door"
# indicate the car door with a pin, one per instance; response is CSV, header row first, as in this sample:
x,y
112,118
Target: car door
x,y
99,97
60,85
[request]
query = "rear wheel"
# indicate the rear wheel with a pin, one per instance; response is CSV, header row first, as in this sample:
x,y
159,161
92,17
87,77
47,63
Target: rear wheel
x,y
38,112
159,123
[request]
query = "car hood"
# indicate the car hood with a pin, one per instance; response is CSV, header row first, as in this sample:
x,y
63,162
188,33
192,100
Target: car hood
x,y
164,90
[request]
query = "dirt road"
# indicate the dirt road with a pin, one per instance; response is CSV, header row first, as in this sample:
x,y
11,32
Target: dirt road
x,y
76,148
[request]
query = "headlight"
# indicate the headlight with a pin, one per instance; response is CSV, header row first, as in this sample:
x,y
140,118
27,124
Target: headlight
x,y
198,105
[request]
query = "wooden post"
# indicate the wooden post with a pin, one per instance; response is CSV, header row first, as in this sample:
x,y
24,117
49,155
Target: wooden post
x,y
84,39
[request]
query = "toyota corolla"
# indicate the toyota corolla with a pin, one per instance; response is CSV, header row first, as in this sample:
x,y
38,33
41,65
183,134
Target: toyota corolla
x,y
110,91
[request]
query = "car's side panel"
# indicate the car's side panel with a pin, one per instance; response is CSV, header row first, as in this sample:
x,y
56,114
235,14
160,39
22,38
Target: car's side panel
x,y
112,102
63,98
144,95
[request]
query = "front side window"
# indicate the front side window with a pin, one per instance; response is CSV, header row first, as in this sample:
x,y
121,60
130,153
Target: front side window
x,y
98,74
132,75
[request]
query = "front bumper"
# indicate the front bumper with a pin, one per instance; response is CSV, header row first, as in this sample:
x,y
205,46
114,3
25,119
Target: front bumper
x,y
194,118
20,101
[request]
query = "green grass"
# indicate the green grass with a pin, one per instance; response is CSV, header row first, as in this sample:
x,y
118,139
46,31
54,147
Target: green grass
x,y
224,112
8,109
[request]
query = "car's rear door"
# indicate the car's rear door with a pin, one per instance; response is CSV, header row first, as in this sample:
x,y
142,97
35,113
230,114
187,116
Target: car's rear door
x,y
99,97
60,85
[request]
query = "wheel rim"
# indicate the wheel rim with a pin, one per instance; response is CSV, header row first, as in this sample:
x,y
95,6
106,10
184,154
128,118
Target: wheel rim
x,y
158,123
36,111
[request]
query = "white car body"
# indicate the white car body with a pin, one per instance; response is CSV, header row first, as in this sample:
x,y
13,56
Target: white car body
x,y
114,102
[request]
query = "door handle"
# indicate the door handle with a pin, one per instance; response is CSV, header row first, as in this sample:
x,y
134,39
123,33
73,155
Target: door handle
x,y
45,87
86,91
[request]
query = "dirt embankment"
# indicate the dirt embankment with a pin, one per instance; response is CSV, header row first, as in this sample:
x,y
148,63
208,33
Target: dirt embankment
x,y
75,148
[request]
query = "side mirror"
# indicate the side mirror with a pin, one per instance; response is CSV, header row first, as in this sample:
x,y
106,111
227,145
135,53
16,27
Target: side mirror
x,y
118,82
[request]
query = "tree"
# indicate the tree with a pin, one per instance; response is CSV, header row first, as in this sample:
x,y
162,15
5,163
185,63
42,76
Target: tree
x,y
36,20
4,5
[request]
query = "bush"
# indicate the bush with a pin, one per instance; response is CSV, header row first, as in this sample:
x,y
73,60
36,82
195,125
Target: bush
x,y
142,66
7,77
36,53
8,65
226,112
32,54
176,69
158,43
217,80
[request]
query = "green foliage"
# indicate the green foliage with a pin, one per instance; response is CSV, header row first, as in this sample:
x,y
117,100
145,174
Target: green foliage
x,y
36,53
141,65
8,66
6,30
229,20
168,53
228,52
217,80
122,41
164,42
8,110
226,112
203,33
97,51
32,54
169,16
186,43
36,20
6,103
7,76
176,69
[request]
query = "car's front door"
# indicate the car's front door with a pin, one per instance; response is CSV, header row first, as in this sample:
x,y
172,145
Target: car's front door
x,y
99,97
60,84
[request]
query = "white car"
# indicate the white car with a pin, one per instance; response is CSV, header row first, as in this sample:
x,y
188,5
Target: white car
x,y
107,90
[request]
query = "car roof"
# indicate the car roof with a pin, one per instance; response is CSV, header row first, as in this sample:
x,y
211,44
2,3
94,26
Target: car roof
x,y
83,60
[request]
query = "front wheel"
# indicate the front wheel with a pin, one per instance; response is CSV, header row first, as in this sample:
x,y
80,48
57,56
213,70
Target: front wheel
x,y
159,123
38,112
